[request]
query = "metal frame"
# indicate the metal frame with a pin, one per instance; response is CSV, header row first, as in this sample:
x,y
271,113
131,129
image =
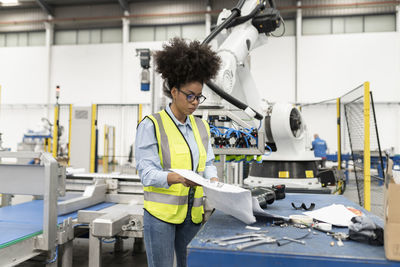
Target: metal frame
x,y
118,221
46,7
124,5
122,220
50,187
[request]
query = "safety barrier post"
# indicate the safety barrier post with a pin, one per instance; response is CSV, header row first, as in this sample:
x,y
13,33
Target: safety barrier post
x,y
93,139
367,156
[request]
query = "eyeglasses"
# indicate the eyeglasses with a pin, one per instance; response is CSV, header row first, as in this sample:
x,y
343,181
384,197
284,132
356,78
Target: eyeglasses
x,y
191,97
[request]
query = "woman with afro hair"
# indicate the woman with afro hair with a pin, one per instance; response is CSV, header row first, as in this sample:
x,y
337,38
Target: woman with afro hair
x,y
174,139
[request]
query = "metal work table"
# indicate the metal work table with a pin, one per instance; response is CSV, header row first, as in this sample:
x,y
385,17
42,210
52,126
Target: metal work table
x,y
316,252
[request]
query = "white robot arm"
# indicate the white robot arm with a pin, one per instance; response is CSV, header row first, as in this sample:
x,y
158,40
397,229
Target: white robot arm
x,y
240,35
283,125
242,29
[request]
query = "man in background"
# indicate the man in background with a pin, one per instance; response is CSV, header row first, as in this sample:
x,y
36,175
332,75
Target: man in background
x,y
319,147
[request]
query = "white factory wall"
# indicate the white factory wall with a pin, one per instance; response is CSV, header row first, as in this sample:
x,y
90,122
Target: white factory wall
x,y
329,65
87,74
273,69
23,75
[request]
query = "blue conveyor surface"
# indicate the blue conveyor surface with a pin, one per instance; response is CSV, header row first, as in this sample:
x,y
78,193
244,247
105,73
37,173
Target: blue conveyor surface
x,y
26,219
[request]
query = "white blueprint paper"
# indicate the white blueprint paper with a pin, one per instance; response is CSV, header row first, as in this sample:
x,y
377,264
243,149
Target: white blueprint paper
x,y
230,199
335,214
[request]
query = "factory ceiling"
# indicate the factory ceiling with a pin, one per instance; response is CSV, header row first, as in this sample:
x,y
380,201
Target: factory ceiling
x,y
84,13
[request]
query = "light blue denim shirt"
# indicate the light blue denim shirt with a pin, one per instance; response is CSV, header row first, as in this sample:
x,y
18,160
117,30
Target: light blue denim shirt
x,y
146,153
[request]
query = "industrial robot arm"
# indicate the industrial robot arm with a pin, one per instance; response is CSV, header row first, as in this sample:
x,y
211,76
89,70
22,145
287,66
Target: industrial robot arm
x,y
245,27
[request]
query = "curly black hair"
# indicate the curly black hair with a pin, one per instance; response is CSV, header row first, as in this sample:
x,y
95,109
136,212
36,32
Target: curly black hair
x,y
180,62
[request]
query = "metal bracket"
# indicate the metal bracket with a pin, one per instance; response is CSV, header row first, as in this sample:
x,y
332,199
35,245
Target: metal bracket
x,y
65,231
93,195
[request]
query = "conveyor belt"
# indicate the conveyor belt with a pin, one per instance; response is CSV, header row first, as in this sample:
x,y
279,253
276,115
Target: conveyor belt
x,y
22,221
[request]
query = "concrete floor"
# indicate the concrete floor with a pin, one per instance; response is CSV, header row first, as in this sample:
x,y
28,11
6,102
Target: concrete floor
x,y
128,257
138,258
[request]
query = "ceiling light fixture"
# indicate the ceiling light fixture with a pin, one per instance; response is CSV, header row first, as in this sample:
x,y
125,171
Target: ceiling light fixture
x,y
9,2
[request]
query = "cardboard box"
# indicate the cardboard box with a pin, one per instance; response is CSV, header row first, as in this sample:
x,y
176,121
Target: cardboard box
x,y
392,217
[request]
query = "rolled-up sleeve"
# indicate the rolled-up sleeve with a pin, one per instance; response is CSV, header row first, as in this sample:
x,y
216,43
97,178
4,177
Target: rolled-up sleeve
x,y
210,170
147,159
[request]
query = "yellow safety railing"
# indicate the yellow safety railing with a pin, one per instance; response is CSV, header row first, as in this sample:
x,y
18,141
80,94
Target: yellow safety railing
x,y
339,144
367,153
93,139
140,113
106,142
69,135
55,130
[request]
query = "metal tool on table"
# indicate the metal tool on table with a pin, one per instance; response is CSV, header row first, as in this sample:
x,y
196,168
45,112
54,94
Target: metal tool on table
x,y
339,236
236,239
237,236
280,243
242,240
288,240
266,240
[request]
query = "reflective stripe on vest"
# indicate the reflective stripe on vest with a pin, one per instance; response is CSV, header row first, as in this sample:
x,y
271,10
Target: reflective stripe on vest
x,y
198,202
164,198
171,204
166,156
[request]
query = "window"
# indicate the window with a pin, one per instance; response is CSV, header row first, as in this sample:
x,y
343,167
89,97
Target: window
x,y
23,39
316,26
90,36
338,25
381,23
160,33
84,37
142,34
163,33
12,39
173,31
36,38
2,39
194,32
111,36
65,37
350,24
353,24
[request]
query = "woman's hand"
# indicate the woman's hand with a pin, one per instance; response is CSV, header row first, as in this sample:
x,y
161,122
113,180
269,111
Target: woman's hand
x,y
174,178
214,179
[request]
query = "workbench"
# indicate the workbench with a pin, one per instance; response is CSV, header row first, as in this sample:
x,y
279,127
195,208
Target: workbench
x,y
316,252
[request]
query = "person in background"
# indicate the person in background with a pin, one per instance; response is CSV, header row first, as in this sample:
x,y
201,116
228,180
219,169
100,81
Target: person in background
x,y
174,139
319,147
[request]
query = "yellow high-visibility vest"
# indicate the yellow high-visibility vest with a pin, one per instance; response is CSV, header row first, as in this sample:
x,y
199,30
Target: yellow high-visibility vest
x,y
171,205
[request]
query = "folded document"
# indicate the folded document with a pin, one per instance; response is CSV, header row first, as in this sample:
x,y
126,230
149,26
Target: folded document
x,y
230,199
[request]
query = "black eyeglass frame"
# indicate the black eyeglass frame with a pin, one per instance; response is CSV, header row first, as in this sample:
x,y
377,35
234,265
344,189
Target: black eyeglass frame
x,y
191,97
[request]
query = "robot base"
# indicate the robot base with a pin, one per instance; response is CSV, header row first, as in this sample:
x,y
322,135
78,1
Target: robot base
x,y
297,176
284,169
298,185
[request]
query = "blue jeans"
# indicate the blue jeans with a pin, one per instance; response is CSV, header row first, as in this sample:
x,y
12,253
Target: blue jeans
x,y
161,238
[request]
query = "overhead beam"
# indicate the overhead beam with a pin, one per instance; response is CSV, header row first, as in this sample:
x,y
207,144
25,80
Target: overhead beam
x,y
124,5
46,8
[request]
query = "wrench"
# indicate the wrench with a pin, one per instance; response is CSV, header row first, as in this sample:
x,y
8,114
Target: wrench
x,y
238,236
267,240
237,241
